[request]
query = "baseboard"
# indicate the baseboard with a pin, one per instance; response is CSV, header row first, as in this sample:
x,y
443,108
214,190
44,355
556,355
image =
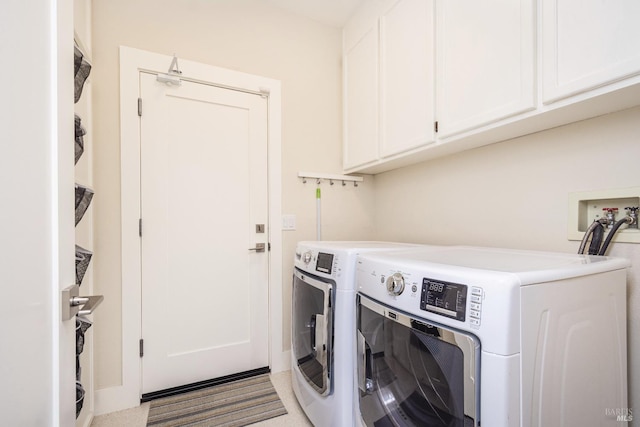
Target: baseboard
x,y
88,421
283,362
114,399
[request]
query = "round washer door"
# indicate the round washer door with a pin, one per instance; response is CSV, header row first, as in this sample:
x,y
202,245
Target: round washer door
x,y
414,373
312,329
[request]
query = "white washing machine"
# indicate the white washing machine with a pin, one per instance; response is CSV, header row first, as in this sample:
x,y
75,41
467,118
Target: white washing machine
x,y
468,336
323,328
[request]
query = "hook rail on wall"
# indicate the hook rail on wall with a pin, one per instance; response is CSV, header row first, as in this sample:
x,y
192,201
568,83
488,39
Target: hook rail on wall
x,y
330,177
318,177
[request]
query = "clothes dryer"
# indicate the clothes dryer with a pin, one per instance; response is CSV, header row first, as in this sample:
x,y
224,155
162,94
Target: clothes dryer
x,y
323,328
468,336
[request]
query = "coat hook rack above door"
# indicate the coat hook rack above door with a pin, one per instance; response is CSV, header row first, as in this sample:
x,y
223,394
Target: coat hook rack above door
x,y
319,177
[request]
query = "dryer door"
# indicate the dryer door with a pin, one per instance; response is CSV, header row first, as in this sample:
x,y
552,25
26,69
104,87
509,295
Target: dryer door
x,y
413,373
312,329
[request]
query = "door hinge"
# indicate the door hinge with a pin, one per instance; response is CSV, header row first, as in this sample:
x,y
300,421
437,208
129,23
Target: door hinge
x,y
140,227
141,347
140,107
435,126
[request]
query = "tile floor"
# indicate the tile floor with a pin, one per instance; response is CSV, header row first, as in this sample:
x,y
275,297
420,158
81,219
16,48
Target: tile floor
x,y
137,417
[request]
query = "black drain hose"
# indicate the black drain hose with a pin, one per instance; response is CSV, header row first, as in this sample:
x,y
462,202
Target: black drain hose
x,y
612,232
587,234
596,240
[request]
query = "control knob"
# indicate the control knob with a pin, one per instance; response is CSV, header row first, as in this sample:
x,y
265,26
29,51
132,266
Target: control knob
x,y
395,284
306,257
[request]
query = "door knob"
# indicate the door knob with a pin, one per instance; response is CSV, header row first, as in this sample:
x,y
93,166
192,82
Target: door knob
x,y
259,247
73,303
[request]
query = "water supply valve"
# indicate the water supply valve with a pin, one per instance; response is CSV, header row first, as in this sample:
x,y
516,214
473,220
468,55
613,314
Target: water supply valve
x,y
632,212
611,216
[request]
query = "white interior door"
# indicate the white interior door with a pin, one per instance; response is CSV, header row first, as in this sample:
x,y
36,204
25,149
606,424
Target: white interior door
x,y
203,191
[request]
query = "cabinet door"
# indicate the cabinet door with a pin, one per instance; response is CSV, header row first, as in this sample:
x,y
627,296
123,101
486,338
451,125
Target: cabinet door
x,y
361,101
485,62
588,43
407,76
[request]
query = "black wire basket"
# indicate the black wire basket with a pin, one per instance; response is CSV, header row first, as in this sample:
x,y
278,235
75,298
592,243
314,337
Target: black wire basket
x,y
80,133
83,258
79,398
81,72
83,200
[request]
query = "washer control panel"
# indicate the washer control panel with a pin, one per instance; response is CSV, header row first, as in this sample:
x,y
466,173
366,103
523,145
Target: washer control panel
x,y
475,306
446,299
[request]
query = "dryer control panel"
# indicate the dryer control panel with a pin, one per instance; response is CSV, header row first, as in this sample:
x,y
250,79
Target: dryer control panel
x,y
444,298
324,263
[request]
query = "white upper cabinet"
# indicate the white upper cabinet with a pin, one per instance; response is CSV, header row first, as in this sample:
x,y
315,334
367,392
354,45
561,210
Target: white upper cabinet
x,y
485,62
361,100
587,44
388,80
484,71
406,76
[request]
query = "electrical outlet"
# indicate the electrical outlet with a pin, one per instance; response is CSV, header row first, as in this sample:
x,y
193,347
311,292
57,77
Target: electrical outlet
x,y
288,222
587,206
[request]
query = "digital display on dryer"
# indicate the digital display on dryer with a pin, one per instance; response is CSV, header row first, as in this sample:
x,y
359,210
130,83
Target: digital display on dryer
x,y
444,298
325,263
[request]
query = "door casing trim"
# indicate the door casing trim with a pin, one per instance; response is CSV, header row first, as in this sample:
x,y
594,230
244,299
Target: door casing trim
x,y
132,62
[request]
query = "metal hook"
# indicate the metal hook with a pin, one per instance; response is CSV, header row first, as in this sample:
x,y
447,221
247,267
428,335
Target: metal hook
x,y
343,183
304,180
318,181
331,182
355,184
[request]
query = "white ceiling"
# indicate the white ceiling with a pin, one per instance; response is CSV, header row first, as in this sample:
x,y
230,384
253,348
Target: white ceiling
x,y
330,12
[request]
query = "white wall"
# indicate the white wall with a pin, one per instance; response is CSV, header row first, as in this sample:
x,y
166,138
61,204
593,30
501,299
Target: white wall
x,y
37,356
26,159
244,35
515,195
